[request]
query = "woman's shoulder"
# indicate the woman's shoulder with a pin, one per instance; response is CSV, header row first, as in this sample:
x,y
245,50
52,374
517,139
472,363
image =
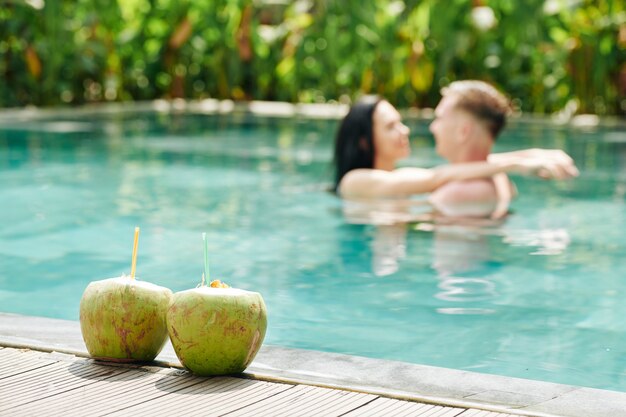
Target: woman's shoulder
x,y
356,181
365,182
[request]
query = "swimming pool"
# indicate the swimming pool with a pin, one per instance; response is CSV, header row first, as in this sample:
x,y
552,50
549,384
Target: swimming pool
x,y
539,297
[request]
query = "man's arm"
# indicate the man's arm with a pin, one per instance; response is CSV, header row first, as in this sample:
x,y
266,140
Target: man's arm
x,y
505,192
403,182
557,164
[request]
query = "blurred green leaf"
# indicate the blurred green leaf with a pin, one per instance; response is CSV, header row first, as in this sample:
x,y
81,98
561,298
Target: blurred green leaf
x,y
544,54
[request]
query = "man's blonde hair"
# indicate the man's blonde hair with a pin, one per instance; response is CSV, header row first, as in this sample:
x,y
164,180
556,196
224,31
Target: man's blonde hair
x,y
481,100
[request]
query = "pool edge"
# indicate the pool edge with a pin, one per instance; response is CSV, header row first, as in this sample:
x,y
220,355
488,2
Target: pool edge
x,y
393,379
281,109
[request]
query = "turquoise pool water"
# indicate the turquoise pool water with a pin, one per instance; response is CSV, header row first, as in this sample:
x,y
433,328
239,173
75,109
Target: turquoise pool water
x,y
539,297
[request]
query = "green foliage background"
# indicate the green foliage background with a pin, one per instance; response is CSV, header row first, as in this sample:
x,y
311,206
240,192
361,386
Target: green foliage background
x,y
546,54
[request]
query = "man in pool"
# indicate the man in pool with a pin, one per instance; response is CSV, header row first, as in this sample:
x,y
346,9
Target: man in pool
x,y
468,120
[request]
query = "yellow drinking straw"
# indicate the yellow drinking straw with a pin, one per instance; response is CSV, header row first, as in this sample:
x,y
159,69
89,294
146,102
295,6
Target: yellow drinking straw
x,y
134,264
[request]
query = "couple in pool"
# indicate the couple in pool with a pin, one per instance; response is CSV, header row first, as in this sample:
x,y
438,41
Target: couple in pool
x,y
372,138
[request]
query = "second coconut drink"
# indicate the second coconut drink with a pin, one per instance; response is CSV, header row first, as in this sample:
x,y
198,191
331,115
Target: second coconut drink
x,y
215,329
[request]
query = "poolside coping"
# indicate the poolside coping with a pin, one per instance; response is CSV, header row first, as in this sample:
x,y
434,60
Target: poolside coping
x,y
330,110
393,379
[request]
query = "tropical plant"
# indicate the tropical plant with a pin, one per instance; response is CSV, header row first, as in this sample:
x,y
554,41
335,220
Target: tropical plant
x,y
547,54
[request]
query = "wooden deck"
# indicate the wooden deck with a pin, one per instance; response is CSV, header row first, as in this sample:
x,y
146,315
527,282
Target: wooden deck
x,y
34,383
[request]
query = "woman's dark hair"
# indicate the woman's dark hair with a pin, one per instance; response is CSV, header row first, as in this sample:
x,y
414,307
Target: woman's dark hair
x,y
354,144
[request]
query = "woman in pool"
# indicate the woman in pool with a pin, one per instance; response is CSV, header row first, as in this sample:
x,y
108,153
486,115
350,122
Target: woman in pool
x,y
372,139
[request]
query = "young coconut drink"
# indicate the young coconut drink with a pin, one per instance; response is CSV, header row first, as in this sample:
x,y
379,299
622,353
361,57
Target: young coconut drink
x,y
123,319
215,329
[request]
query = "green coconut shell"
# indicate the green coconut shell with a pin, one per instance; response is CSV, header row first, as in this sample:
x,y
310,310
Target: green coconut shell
x,y
216,331
123,319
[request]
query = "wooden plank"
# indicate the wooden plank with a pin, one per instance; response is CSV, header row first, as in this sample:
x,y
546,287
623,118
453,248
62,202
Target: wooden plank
x,y
200,397
484,413
18,368
9,363
393,407
37,393
206,396
313,396
334,402
59,378
15,357
125,395
64,368
30,375
234,402
443,411
8,351
352,401
88,397
147,391
377,407
15,361
10,354
46,378
55,374
341,402
306,400
213,397
262,407
51,381
310,395
414,409
135,386
59,402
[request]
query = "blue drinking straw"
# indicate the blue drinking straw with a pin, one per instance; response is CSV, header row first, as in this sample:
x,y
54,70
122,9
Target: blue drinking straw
x,y
206,258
